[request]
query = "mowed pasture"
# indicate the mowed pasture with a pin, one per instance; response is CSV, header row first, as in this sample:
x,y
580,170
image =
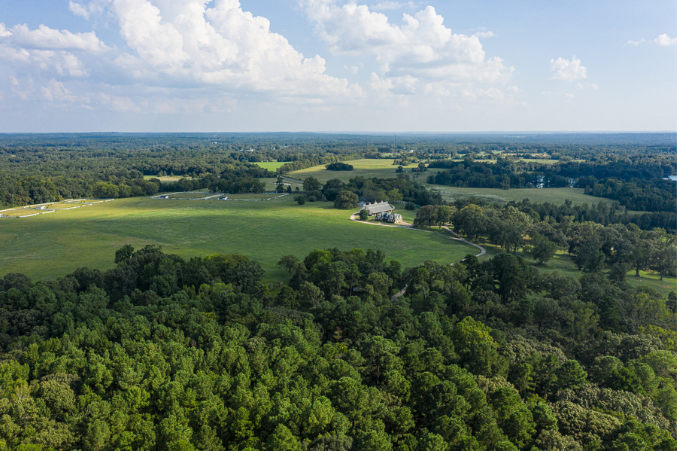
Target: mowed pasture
x,y
538,195
49,246
271,165
365,168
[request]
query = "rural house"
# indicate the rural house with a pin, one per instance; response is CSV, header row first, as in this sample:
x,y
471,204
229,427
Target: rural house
x,y
378,207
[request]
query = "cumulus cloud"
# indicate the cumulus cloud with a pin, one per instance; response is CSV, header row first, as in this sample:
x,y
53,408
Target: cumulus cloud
x,y
174,44
664,39
382,6
87,10
45,38
568,70
419,53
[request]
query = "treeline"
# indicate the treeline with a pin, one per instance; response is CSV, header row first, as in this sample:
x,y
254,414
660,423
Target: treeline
x,y
355,353
400,189
503,174
637,185
235,178
655,195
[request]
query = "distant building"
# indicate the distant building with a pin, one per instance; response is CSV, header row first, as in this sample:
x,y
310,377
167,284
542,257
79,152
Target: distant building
x,y
378,207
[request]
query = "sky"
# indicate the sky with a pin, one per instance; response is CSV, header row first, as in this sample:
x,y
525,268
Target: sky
x,y
337,65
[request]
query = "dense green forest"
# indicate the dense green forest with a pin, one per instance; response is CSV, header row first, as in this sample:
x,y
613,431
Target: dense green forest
x,y
162,353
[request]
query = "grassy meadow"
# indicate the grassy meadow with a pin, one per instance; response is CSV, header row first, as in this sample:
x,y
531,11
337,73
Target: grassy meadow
x,y
48,246
385,169
365,168
539,195
270,165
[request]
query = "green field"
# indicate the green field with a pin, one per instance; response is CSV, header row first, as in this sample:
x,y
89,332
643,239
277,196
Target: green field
x,y
166,178
385,169
271,165
365,168
553,195
48,246
252,196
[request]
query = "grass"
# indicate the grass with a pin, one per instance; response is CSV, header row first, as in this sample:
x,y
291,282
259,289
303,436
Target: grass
x,y
365,168
166,178
385,169
192,195
48,246
252,196
538,195
271,165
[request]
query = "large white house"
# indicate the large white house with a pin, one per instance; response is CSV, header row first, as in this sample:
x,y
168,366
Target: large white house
x,y
378,207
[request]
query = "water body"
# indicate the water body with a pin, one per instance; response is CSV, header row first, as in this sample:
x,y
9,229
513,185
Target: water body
x,y
671,177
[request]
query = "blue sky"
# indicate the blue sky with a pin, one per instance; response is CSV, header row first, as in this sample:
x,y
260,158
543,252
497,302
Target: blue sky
x,y
333,65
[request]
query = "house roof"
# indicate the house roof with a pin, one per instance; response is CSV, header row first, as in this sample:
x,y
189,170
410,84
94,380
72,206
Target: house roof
x,y
379,207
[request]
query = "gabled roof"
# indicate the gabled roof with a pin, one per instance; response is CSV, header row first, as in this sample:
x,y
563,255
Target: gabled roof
x,y
379,207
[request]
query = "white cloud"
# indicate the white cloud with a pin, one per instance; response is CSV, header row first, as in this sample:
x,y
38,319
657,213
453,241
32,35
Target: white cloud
x,y
55,90
485,34
388,5
569,96
546,93
89,9
567,70
352,69
3,31
45,38
175,44
421,48
664,39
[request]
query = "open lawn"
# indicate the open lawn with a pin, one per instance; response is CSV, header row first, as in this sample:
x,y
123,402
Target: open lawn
x,y
48,246
553,195
271,165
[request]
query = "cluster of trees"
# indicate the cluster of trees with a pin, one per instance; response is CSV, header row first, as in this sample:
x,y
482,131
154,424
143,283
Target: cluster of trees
x,y
370,190
504,173
655,195
339,167
17,191
591,245
355,353
636,184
